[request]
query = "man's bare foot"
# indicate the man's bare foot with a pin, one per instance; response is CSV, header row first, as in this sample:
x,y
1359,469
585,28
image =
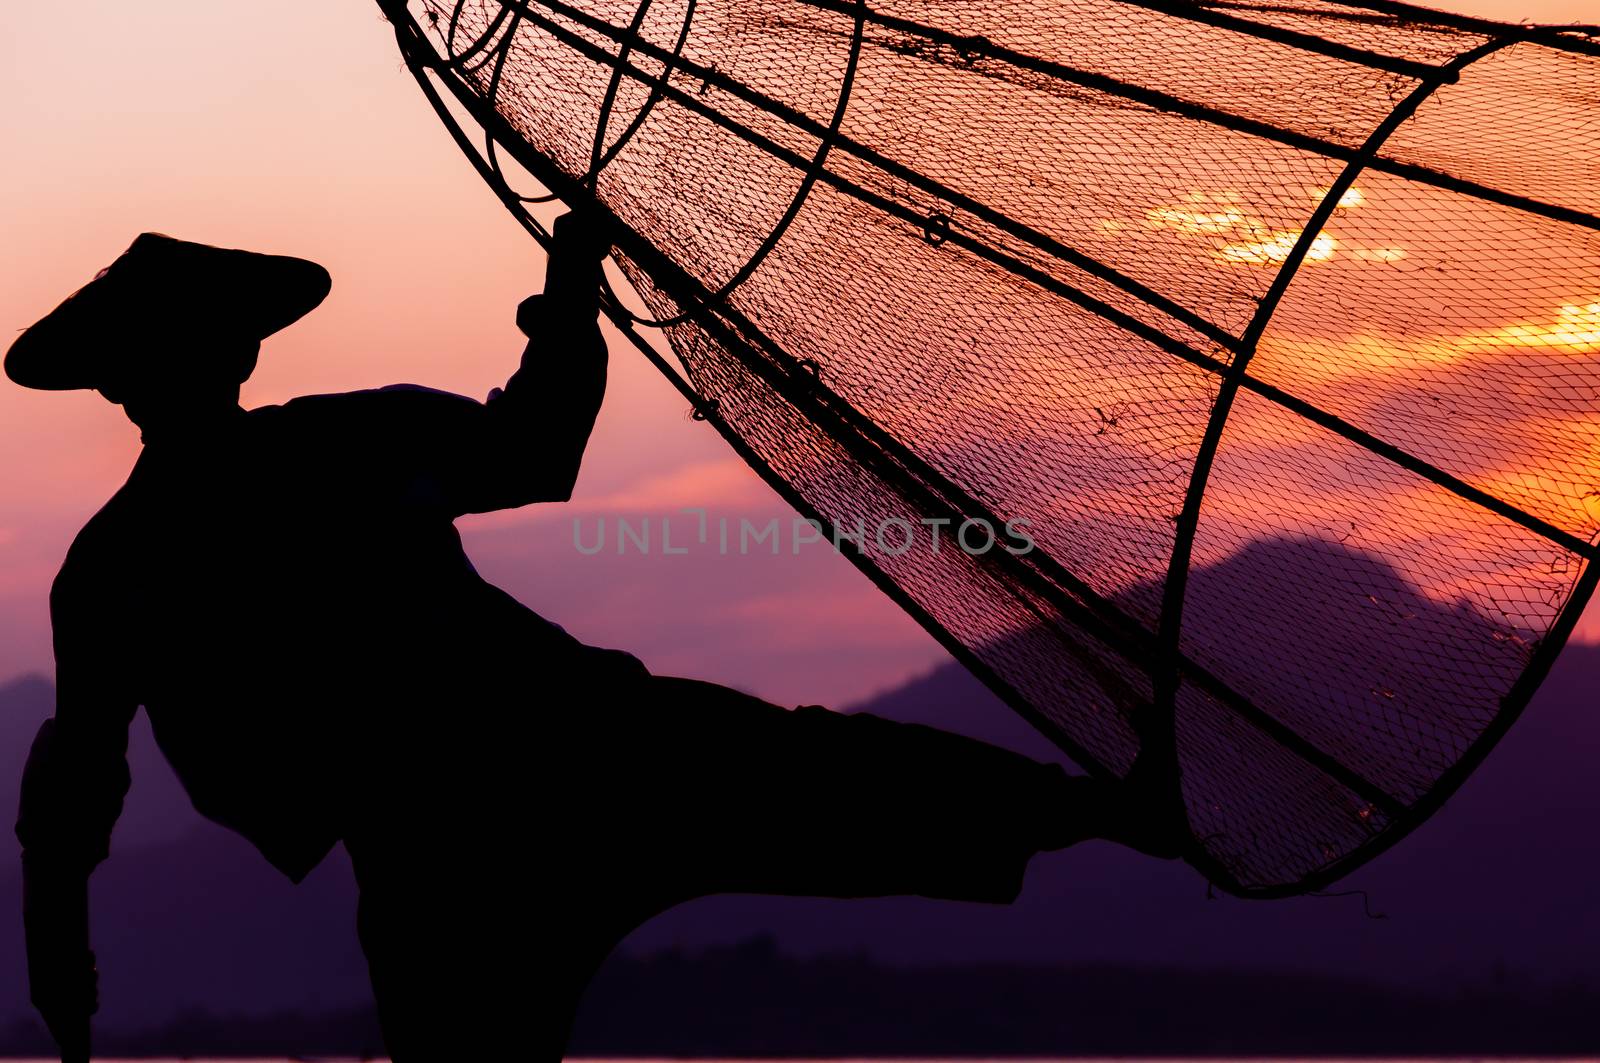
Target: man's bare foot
x,y
1155,821
1143,811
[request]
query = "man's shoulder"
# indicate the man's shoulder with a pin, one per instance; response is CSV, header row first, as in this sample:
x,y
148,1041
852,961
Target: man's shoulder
x,y
95,554
105,528
390,398
385,417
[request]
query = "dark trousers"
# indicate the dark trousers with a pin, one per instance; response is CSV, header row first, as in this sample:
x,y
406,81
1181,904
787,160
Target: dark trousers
x,y
491,890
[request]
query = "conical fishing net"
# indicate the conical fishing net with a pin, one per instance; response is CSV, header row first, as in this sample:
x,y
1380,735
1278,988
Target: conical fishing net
x,y
1225,373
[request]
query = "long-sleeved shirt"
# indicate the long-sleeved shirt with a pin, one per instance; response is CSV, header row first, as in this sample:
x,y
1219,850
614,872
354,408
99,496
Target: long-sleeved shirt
x,y
285,593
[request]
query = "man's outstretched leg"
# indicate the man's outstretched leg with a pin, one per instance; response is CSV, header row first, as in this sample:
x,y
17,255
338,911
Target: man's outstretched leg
x,y
750,797
490,893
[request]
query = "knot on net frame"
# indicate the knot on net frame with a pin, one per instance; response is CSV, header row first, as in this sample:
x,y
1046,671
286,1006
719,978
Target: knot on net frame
x,y
1219,378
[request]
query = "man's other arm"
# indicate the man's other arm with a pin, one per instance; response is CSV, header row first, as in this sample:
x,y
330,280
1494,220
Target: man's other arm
x,y
72,791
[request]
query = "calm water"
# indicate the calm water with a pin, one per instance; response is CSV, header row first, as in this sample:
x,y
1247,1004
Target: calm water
x,y
965,1059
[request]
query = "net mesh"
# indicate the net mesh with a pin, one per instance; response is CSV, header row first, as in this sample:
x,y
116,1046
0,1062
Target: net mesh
x,y
1263,336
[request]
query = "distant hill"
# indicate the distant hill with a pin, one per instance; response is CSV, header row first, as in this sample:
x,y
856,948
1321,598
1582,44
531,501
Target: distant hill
x,y
1502,877
1497,889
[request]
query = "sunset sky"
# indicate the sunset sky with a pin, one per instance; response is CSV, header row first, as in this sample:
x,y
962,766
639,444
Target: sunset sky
x,y
295,129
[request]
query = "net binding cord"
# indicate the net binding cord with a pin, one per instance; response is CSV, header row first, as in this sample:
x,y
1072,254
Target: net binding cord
x,y
900,252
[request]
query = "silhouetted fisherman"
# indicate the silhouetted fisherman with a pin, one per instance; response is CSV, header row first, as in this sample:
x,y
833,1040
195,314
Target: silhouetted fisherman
x,y
285,593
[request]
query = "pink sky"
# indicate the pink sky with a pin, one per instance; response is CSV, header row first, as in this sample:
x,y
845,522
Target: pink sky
x,y
294,128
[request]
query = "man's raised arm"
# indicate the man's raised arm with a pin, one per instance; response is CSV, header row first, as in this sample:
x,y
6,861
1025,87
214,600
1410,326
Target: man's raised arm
x,y
555,395
526,442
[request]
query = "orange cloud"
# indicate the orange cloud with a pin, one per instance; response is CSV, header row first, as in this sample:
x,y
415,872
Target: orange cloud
x,y
1238,235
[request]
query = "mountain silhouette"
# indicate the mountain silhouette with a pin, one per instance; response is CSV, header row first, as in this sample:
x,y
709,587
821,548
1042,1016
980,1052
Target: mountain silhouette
x,y
1498,881
1345,650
